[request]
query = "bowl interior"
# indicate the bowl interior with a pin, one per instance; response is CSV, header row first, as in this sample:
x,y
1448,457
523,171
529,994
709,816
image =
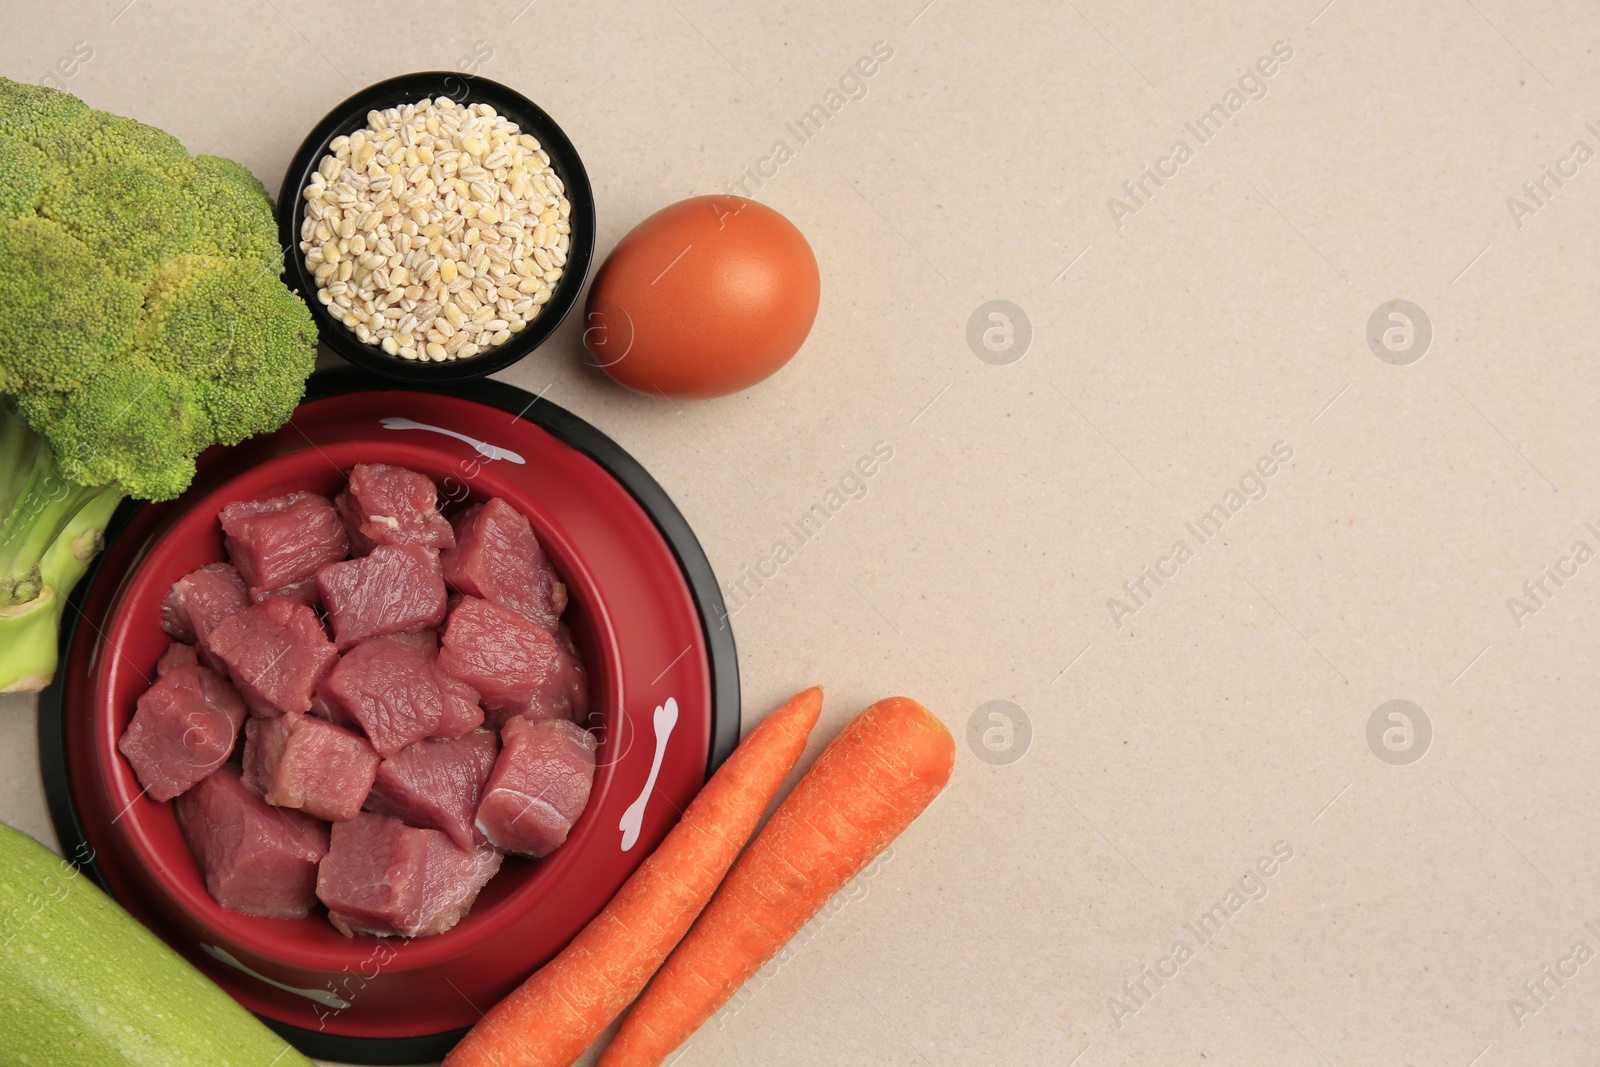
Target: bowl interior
x,y
635,620
195,539
351,115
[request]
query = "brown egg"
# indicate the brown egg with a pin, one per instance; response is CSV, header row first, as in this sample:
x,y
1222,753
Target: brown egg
x,y
703,298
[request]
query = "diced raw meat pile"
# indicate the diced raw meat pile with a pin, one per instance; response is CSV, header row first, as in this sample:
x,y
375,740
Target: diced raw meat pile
x,y
401,677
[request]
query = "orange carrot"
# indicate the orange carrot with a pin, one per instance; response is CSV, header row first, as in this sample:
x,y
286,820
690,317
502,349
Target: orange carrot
x,y
866,787
557,1014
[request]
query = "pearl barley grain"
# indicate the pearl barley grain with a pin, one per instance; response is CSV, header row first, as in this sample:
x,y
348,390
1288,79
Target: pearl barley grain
x,y
438,220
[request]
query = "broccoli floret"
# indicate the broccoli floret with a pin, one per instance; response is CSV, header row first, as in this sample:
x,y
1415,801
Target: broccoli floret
x,y
227,201
145,320
133,216
116,416
67,315
212,321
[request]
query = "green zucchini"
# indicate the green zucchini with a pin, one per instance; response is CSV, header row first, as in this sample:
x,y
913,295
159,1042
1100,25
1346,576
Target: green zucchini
x,y
83,984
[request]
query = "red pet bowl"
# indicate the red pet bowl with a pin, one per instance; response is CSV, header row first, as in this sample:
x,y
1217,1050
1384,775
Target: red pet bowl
x,y
644,610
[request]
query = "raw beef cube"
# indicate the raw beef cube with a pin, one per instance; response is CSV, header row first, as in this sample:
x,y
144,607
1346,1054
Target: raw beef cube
x,y
452,881
304,590
381,876
496,557
372,877
201,599
279,541
177,654
564,694
461,711
388,687
539,787
183,728
393,589
505,656
386,505
256,858
276,652
437,784
296,761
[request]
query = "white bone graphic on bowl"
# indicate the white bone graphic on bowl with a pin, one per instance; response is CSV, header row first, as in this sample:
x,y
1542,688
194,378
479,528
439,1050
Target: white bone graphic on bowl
x,y
321,996
666,717
485,449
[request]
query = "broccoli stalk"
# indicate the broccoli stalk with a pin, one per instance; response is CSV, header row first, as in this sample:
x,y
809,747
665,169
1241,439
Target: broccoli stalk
x,y
50,532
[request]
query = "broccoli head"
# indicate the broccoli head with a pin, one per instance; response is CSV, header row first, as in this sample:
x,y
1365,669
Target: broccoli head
x,y
146,317
145,321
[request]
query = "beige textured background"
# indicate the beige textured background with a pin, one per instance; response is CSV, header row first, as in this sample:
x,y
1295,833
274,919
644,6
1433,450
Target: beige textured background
x,y
1167,355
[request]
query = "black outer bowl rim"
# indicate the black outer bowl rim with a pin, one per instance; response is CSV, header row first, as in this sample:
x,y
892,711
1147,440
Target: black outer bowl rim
x,y
409,88
721,654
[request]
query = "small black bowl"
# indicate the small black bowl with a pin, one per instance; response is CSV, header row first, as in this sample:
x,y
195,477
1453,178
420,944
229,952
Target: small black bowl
x,y
350,116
